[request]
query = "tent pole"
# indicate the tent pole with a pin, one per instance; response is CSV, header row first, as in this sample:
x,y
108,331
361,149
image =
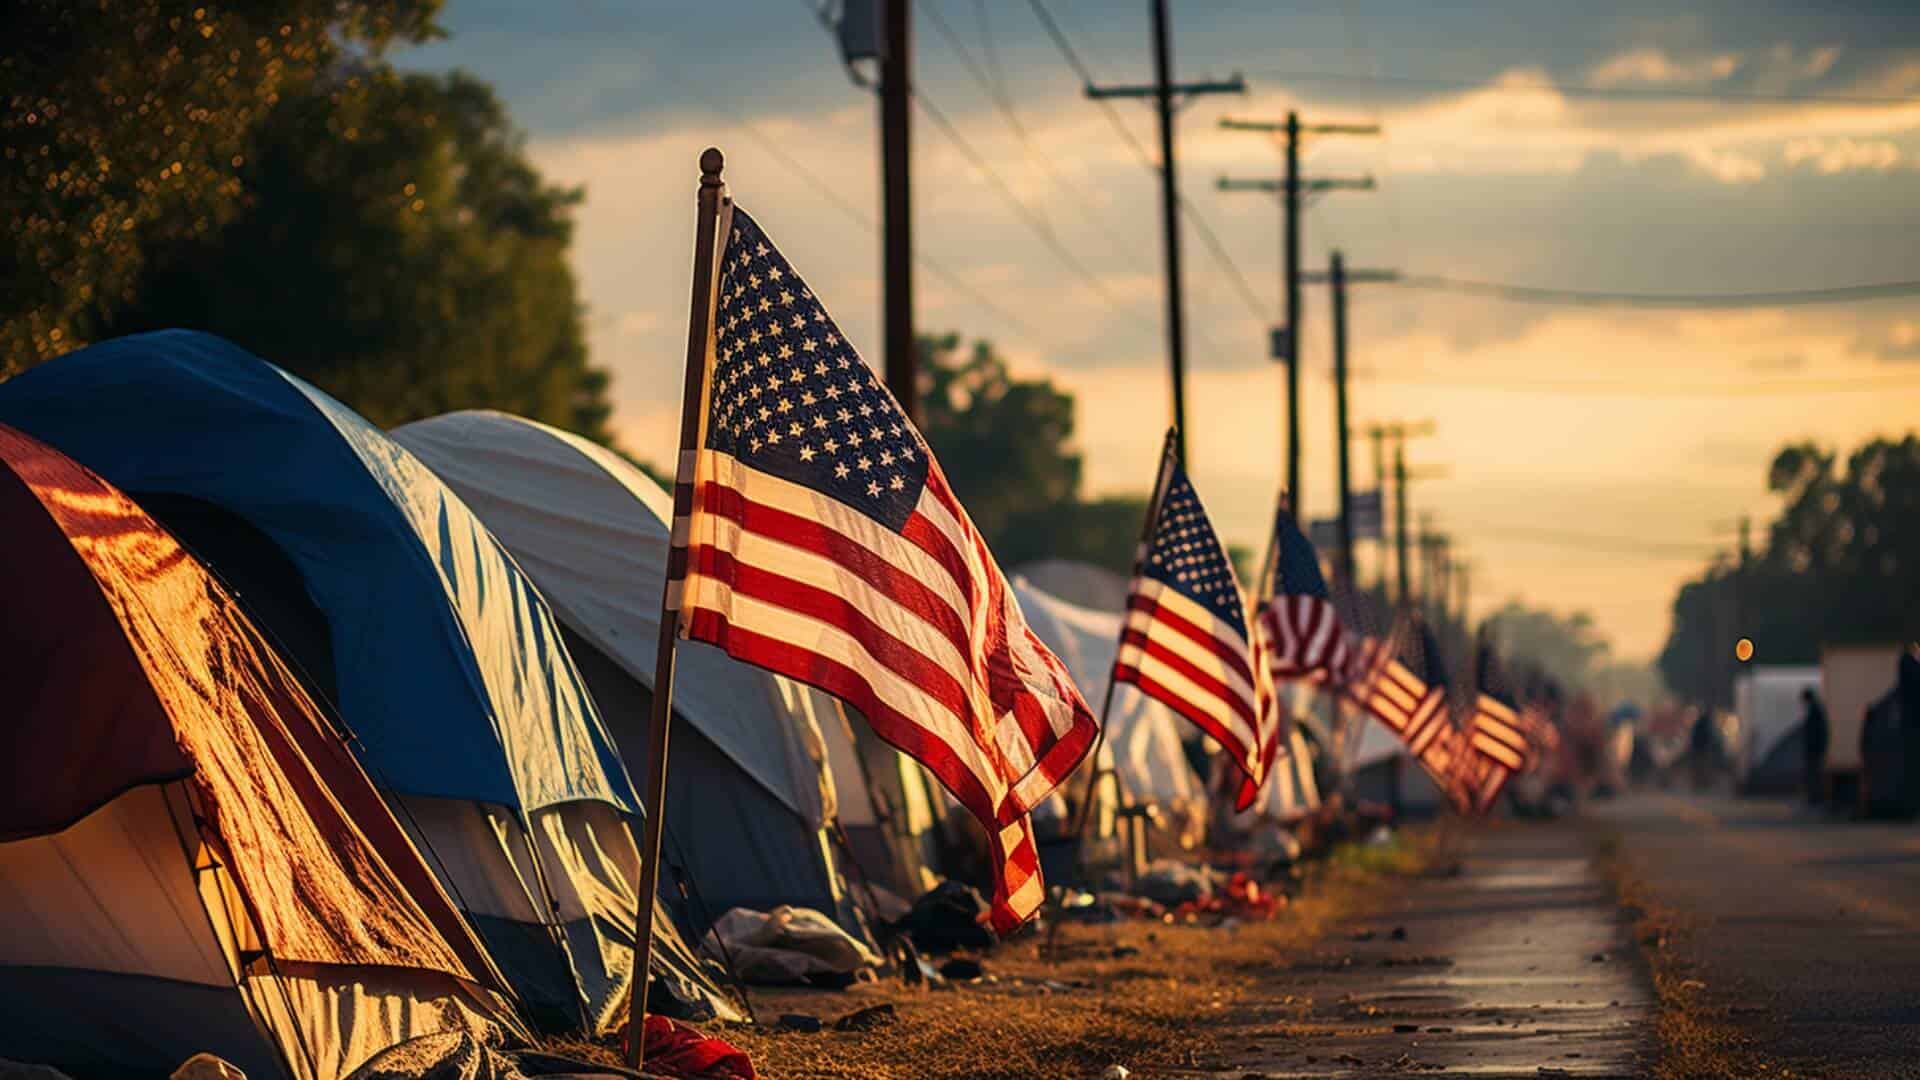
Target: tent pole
x,y
692,423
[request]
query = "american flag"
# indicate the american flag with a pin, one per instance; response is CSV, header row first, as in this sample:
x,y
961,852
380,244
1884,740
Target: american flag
x,y
1304,637
1496,735
1185,639
1414,707
825,544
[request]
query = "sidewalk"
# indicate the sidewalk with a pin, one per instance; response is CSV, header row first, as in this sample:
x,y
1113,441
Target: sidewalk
x,y
1514,963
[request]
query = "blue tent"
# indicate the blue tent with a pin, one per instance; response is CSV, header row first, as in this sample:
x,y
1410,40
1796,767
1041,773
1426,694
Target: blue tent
x,y
441,657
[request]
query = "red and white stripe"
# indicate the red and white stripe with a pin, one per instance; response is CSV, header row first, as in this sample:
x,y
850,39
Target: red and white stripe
x,y
1305,638
1184,656
917,629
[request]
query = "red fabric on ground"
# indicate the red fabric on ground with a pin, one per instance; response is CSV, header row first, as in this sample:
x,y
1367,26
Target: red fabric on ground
x,y
674,1049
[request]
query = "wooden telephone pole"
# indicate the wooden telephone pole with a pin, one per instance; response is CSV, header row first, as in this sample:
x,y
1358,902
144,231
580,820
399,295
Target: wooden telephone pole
x,y
1164,92
1290,187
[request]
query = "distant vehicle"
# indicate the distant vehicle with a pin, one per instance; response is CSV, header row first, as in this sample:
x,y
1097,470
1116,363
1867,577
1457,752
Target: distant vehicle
x,y
1770,748
1852,679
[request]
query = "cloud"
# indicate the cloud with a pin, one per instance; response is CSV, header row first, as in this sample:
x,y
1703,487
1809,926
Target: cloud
x,y
1897,341
1655,66
1829,156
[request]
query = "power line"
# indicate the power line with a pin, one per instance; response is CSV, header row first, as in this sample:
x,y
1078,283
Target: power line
x,y
1575,89
1658,388
1037,224
1187,210
996,93
861,217
1080,68
1531,294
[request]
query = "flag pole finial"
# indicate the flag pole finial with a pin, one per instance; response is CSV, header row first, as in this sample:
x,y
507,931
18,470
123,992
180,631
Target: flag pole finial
x,y
711,162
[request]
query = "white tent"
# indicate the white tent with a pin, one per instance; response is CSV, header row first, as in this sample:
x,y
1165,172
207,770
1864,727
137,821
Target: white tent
x,y
750,792
1143,736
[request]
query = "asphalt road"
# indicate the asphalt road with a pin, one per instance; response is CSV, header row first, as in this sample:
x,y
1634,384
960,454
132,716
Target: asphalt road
x,y
1511,962
1805,930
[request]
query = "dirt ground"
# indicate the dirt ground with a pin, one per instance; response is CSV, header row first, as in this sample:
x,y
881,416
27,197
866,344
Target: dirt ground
x,y
1134,993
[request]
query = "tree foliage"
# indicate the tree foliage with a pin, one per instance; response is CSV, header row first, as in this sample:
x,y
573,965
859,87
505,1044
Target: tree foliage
x,y
1840,564
127,124
394,246
1005,444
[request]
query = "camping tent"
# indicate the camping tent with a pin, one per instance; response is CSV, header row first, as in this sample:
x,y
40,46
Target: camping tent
x,y
191,860
1143,736
749,791
403,612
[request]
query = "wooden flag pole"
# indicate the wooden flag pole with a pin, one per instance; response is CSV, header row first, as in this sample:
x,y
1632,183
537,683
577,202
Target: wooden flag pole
x,y
692,423
1085,809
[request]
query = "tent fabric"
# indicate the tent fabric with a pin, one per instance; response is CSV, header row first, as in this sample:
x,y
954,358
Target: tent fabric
x,y
591,529
749,787
221,820
1143,736
432,627
446,665
1083,585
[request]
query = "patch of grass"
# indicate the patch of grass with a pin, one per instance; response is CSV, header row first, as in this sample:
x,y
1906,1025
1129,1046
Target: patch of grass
x,y
1140,994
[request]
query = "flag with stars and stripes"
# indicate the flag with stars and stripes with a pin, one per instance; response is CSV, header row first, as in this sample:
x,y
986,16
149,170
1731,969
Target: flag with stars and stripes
x,y
1413,705
826,545
1185,641
1496,735
1304,637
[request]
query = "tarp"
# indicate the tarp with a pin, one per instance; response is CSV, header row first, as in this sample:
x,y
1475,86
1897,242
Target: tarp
x,y
129,673
749,788
591,530
1143,736
434,631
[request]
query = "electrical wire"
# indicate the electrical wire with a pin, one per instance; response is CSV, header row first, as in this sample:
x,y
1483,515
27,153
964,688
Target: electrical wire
x,y
1655,388
1590,90
1531,294
1037,224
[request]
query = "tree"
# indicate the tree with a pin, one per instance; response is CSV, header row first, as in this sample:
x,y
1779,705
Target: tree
x,y
1005,445
1568,648
128,124
396,248
1840,564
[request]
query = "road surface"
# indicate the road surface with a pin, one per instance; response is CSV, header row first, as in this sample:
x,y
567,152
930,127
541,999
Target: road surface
x,y
1805,930
1511,963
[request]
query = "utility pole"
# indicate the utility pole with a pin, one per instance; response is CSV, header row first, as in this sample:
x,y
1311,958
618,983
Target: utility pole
x,y
896,160
1399,432
1164,91
1290,187
1338,277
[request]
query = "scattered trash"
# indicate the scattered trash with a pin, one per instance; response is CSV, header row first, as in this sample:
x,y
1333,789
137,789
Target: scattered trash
x,y
1173,884
789,945
963,969
867,1019
1116,1072
798,1022
674,1049
949,916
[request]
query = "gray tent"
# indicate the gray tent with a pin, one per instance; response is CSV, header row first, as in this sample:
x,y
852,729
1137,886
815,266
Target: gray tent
x,y
749,795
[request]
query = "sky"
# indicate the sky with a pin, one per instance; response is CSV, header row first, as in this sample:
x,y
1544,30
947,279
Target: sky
x,y
1582,458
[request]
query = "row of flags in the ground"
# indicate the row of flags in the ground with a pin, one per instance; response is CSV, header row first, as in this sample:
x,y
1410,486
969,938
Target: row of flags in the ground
x,y
817,537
